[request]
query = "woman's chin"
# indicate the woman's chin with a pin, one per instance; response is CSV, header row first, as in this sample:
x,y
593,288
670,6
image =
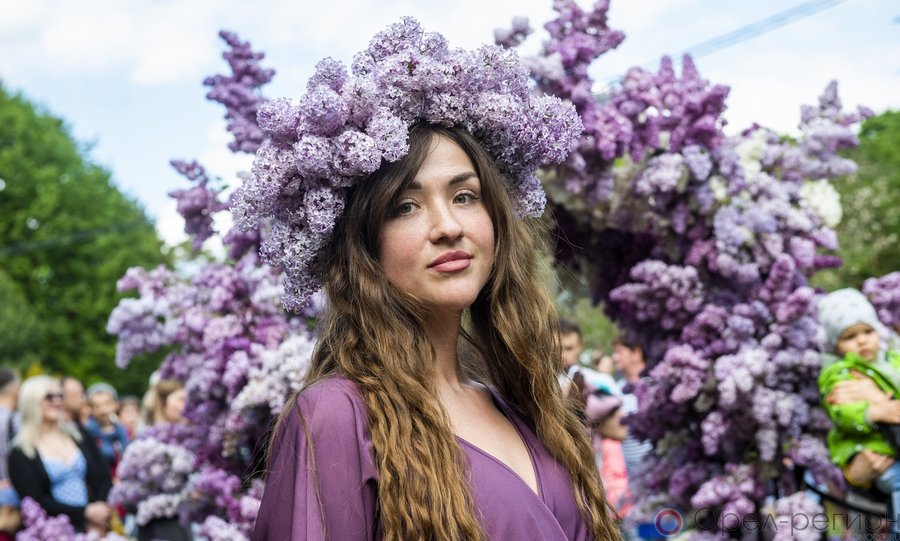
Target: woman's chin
x,y
452,303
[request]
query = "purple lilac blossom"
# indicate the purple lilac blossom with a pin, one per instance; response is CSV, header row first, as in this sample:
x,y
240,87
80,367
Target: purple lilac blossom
x,y
239,92
196,204
884,294
37,526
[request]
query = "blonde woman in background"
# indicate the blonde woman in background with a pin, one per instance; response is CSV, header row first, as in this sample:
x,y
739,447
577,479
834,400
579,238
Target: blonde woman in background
x,y
52,463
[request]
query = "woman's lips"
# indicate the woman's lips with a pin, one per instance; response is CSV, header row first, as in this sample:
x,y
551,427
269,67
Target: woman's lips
x,y
453,265
456,260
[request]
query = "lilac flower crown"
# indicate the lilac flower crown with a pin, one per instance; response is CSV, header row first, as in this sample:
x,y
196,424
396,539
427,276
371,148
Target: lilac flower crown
x,y
346,126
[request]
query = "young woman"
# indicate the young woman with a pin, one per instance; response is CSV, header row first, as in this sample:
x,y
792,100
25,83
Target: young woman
x,y
168,402
432,409
54,463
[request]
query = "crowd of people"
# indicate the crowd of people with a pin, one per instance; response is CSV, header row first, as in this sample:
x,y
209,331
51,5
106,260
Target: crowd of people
x,y
60,444
602,384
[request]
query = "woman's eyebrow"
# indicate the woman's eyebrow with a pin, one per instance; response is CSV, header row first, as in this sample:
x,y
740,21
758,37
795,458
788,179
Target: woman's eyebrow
x,y
461,177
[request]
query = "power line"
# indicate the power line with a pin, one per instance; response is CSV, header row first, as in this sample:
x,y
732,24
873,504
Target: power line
x,y
747,32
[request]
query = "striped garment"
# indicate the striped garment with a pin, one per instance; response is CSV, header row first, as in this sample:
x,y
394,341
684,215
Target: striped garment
x,y
634,450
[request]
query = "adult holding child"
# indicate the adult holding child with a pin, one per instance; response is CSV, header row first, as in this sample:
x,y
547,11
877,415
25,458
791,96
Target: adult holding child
x,y
859,381
402,188
52,463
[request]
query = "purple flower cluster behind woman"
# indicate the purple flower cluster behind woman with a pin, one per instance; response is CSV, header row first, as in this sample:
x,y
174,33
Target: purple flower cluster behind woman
x,y
700,245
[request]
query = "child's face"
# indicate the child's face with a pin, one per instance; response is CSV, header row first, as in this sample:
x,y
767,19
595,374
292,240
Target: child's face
x,y
860,339
613,428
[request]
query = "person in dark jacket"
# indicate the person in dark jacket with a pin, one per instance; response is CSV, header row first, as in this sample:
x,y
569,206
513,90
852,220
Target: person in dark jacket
x,y
55,463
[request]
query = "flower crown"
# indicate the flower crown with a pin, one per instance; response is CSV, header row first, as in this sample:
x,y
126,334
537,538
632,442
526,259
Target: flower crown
x,y
346,126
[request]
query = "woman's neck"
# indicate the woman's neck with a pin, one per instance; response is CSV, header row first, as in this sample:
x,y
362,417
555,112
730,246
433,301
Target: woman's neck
x,y
49,428
443,333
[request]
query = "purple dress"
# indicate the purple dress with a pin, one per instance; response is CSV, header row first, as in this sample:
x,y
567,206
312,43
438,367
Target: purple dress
x,y
335,418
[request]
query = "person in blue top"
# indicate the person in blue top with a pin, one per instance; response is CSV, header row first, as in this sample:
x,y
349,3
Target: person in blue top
x,y
9,426
856,339
111,437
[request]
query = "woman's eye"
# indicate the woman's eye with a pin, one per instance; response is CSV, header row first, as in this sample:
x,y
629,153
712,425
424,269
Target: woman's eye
x,y
465,197
404,208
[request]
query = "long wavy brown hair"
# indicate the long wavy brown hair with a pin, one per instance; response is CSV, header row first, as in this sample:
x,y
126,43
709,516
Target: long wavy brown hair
x,y
374,335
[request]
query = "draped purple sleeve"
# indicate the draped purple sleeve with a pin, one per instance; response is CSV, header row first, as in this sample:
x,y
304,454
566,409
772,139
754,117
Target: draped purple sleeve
x,y
322,480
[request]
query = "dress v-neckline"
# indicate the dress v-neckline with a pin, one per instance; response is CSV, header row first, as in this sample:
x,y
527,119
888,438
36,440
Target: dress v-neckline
x,y
72,462
501,407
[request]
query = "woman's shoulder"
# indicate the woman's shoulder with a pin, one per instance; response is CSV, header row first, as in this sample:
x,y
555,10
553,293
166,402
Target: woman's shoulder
x,y
330,415
330,402
19,458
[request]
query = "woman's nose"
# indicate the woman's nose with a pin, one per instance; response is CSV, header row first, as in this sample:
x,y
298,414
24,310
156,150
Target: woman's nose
x,y
445,224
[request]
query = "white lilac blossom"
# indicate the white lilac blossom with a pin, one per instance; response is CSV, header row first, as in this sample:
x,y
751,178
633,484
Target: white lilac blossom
x,y
348,124
824,200
280,374
216,529
701,246
791,518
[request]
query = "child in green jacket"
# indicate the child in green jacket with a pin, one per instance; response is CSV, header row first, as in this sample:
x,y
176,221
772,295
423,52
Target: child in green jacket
x,y
855,336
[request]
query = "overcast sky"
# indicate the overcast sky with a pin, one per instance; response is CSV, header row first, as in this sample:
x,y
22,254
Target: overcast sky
x,y
126,74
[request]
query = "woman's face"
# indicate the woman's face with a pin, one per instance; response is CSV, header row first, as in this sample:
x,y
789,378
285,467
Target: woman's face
x,y
438,242
53,404
174,406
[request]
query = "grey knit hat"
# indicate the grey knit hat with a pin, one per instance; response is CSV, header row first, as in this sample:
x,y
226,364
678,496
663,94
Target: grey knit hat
x,y
845,308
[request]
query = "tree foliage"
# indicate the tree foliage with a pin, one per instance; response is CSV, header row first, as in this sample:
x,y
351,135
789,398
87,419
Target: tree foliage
x,y
20,330
66,235
869,233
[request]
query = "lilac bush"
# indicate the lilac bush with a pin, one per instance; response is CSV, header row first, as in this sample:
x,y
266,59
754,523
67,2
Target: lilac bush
x,y
225,336
700,245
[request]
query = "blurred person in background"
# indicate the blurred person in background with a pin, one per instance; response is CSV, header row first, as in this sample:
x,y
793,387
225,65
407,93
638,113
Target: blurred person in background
x,y
73,400
129,415
603,415
571,346
53,464
9,426
603,363
103,426
628,357
168,402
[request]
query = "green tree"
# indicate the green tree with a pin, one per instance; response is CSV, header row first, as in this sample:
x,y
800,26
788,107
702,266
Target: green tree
x,y
20,329
66,235
869,233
